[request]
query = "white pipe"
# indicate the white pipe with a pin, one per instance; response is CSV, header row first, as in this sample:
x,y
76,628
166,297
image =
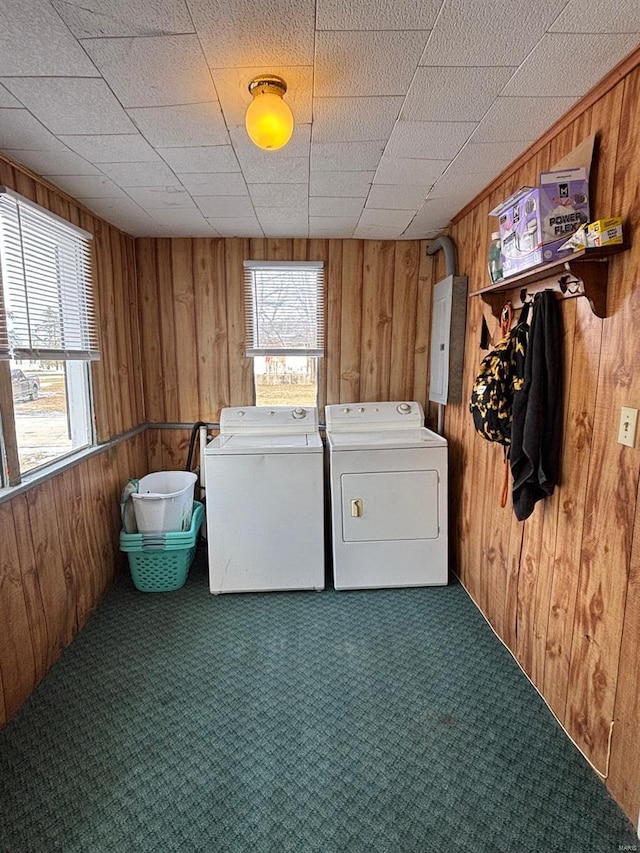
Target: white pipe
x,y
202,438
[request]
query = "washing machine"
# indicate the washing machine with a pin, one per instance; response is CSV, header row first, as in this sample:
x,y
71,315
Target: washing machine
x,y
388,484
265,505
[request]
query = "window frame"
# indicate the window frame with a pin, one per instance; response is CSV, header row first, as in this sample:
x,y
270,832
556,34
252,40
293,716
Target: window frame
x,y
314,289
70,255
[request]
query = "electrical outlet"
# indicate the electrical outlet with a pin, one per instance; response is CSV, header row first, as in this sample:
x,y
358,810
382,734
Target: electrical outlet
x,y
628,424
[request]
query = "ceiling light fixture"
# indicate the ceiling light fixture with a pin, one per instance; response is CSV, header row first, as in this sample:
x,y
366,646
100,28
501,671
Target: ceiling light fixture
x,y
269,120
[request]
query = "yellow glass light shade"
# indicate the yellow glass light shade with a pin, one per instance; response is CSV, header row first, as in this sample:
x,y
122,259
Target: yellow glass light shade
x,y
269,120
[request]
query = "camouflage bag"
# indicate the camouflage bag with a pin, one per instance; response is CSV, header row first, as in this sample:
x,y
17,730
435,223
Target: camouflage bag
x,y
501,374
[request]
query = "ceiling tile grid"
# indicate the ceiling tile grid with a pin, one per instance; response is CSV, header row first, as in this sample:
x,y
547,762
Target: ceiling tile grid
x,y
404,111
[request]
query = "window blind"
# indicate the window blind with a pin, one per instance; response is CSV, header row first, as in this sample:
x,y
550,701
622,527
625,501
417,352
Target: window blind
x,y
284,307
47,302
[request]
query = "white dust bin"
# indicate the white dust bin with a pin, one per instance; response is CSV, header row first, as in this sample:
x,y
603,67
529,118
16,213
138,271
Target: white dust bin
x,y
164,501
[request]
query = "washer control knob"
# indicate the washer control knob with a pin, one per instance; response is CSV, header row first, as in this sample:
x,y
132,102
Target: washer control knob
x,y
403,408
241,413
361,409
271,414
346,411
299,412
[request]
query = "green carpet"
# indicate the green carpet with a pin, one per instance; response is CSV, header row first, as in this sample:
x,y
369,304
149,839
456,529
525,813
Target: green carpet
x,y
333,722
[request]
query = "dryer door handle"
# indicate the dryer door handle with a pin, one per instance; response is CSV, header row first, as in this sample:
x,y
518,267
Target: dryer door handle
x,y
357,510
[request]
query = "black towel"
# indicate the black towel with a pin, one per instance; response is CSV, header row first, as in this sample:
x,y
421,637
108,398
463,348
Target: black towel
x,y
537,410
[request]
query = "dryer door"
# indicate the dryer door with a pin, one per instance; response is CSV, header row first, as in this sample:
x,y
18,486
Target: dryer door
x,y
390,505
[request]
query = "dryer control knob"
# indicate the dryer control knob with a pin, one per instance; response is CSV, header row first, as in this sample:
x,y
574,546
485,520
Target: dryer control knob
x,y
299,413
241,413
361,409
346,411
403,408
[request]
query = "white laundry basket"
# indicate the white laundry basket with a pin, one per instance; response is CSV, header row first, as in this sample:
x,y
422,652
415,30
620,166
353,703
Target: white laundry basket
x,y
164,501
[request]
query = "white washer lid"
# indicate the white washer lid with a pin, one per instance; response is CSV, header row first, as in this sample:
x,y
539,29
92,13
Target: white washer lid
x,y
385,440
261,443
268,420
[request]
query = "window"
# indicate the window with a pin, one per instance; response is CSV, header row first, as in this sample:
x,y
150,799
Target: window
x,y
47,334
284,311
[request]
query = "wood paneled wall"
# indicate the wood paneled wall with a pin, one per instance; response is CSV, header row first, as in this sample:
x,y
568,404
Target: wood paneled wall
x,y
192,322
59,539
563,588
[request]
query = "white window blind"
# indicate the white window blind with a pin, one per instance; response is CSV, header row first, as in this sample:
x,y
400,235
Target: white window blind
x,y
47,301
284,307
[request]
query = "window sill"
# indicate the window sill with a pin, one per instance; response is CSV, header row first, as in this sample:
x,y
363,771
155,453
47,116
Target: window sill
x,y
52,470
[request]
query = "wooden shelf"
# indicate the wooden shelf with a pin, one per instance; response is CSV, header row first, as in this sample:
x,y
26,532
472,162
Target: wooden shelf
x,y
583,273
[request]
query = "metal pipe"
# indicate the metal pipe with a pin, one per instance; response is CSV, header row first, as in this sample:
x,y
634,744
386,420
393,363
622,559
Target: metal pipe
x,y
448,247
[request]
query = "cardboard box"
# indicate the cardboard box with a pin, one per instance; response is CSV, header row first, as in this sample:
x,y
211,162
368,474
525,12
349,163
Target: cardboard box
x,y
520,230
605,232
535,221
564,202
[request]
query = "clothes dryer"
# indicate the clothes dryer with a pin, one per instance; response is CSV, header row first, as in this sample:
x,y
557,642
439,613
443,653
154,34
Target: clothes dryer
x,y
388,483
265,502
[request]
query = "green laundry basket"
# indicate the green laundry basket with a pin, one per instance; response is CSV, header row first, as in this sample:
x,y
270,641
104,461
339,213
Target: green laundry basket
x,y
160,562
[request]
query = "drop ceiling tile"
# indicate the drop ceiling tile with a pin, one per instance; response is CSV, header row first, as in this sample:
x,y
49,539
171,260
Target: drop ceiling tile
x,y
402,170
589,16
153,72
444,209
63,162
453,94
283,170
122,212
428,140
431,216
192,218
289,231
237,226
112,148
398,219
366,63
20,130
160,197
209,158
94,18
178,228
345,156
461,187
522,119
180,126
593,55
233,92
223,183
333,224
224,206
71,104
400,197
377,14
7,100
376,232
279,195
87,186
341,207
156,174
490,157
255,32
488,32
281,218
340,184
354,119
35,42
